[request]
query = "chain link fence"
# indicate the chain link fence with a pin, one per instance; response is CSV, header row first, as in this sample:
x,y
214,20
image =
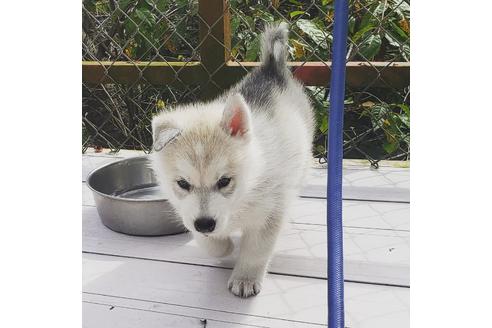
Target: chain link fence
x,y
143,56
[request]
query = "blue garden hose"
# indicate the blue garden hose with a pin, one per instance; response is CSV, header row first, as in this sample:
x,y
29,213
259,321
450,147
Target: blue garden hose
x,y
335,154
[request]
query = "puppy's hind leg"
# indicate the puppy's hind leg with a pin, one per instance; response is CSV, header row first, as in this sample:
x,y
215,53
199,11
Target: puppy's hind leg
x,y
217,247
255,252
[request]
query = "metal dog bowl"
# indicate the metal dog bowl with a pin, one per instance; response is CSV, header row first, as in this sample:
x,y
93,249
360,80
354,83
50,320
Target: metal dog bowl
x,y
129,200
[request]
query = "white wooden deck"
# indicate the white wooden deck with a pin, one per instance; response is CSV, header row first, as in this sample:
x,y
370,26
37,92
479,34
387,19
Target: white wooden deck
x,y
169,282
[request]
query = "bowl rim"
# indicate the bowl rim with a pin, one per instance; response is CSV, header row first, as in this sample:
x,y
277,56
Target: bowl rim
x,y
91,173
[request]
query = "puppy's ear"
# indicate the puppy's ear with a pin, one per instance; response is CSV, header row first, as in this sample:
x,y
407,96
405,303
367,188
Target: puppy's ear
x,y
236,119
163,132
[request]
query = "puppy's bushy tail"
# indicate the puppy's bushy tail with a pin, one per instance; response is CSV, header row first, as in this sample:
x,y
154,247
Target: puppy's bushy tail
x,y
274,45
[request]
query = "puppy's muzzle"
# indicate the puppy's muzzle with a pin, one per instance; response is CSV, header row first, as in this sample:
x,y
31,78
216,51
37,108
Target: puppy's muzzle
x,y
205,224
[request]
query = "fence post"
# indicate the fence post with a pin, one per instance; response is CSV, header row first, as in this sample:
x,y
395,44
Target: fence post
x,y
215,43
336,317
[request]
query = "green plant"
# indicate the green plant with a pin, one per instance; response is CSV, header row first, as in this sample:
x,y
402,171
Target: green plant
x,y
380,30
393,120
144,29
377,119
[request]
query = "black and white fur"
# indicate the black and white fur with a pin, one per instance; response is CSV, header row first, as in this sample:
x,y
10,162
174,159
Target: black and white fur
x,y
237,162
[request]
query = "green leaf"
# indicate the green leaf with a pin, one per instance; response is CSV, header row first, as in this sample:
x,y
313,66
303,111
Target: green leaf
x,y
391,147
362,32
401,33
102,7
406,52
90,5
130,26
380,9
391,40
323,127
402,48
317,35
161,5
235,21
373,16
401,8
405,120
123,4
253,50
370,47
151,3
405,108
295,2
265,15
250,22
182,3
405,116
378,113
296,13
145,16
351,24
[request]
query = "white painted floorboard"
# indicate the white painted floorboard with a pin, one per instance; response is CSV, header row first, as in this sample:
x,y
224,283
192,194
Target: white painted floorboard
x,y
171,315
356,214
384,184
377,256
98,315
296,299
168,281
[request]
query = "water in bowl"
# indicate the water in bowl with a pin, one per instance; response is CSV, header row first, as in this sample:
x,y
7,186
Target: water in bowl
x,y
144,192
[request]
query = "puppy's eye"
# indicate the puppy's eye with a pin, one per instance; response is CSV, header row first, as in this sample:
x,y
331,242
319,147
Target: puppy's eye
x,y
183,184
223,182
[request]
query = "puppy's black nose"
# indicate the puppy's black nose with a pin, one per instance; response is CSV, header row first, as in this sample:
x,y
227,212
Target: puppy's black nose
x,y
205,224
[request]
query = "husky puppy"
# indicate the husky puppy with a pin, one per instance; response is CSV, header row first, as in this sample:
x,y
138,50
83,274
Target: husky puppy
x,y
236,163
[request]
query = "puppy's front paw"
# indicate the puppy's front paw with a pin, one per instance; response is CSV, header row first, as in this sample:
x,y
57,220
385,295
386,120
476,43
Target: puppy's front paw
x,y
244,287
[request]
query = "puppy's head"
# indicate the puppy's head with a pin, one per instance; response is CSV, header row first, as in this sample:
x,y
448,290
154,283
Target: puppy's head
x,y
202,158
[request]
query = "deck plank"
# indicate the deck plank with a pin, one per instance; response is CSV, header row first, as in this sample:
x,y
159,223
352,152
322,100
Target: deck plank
x,y
362,214
359,183
169,281
357,214
95,314
377,256
142,313
285,298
